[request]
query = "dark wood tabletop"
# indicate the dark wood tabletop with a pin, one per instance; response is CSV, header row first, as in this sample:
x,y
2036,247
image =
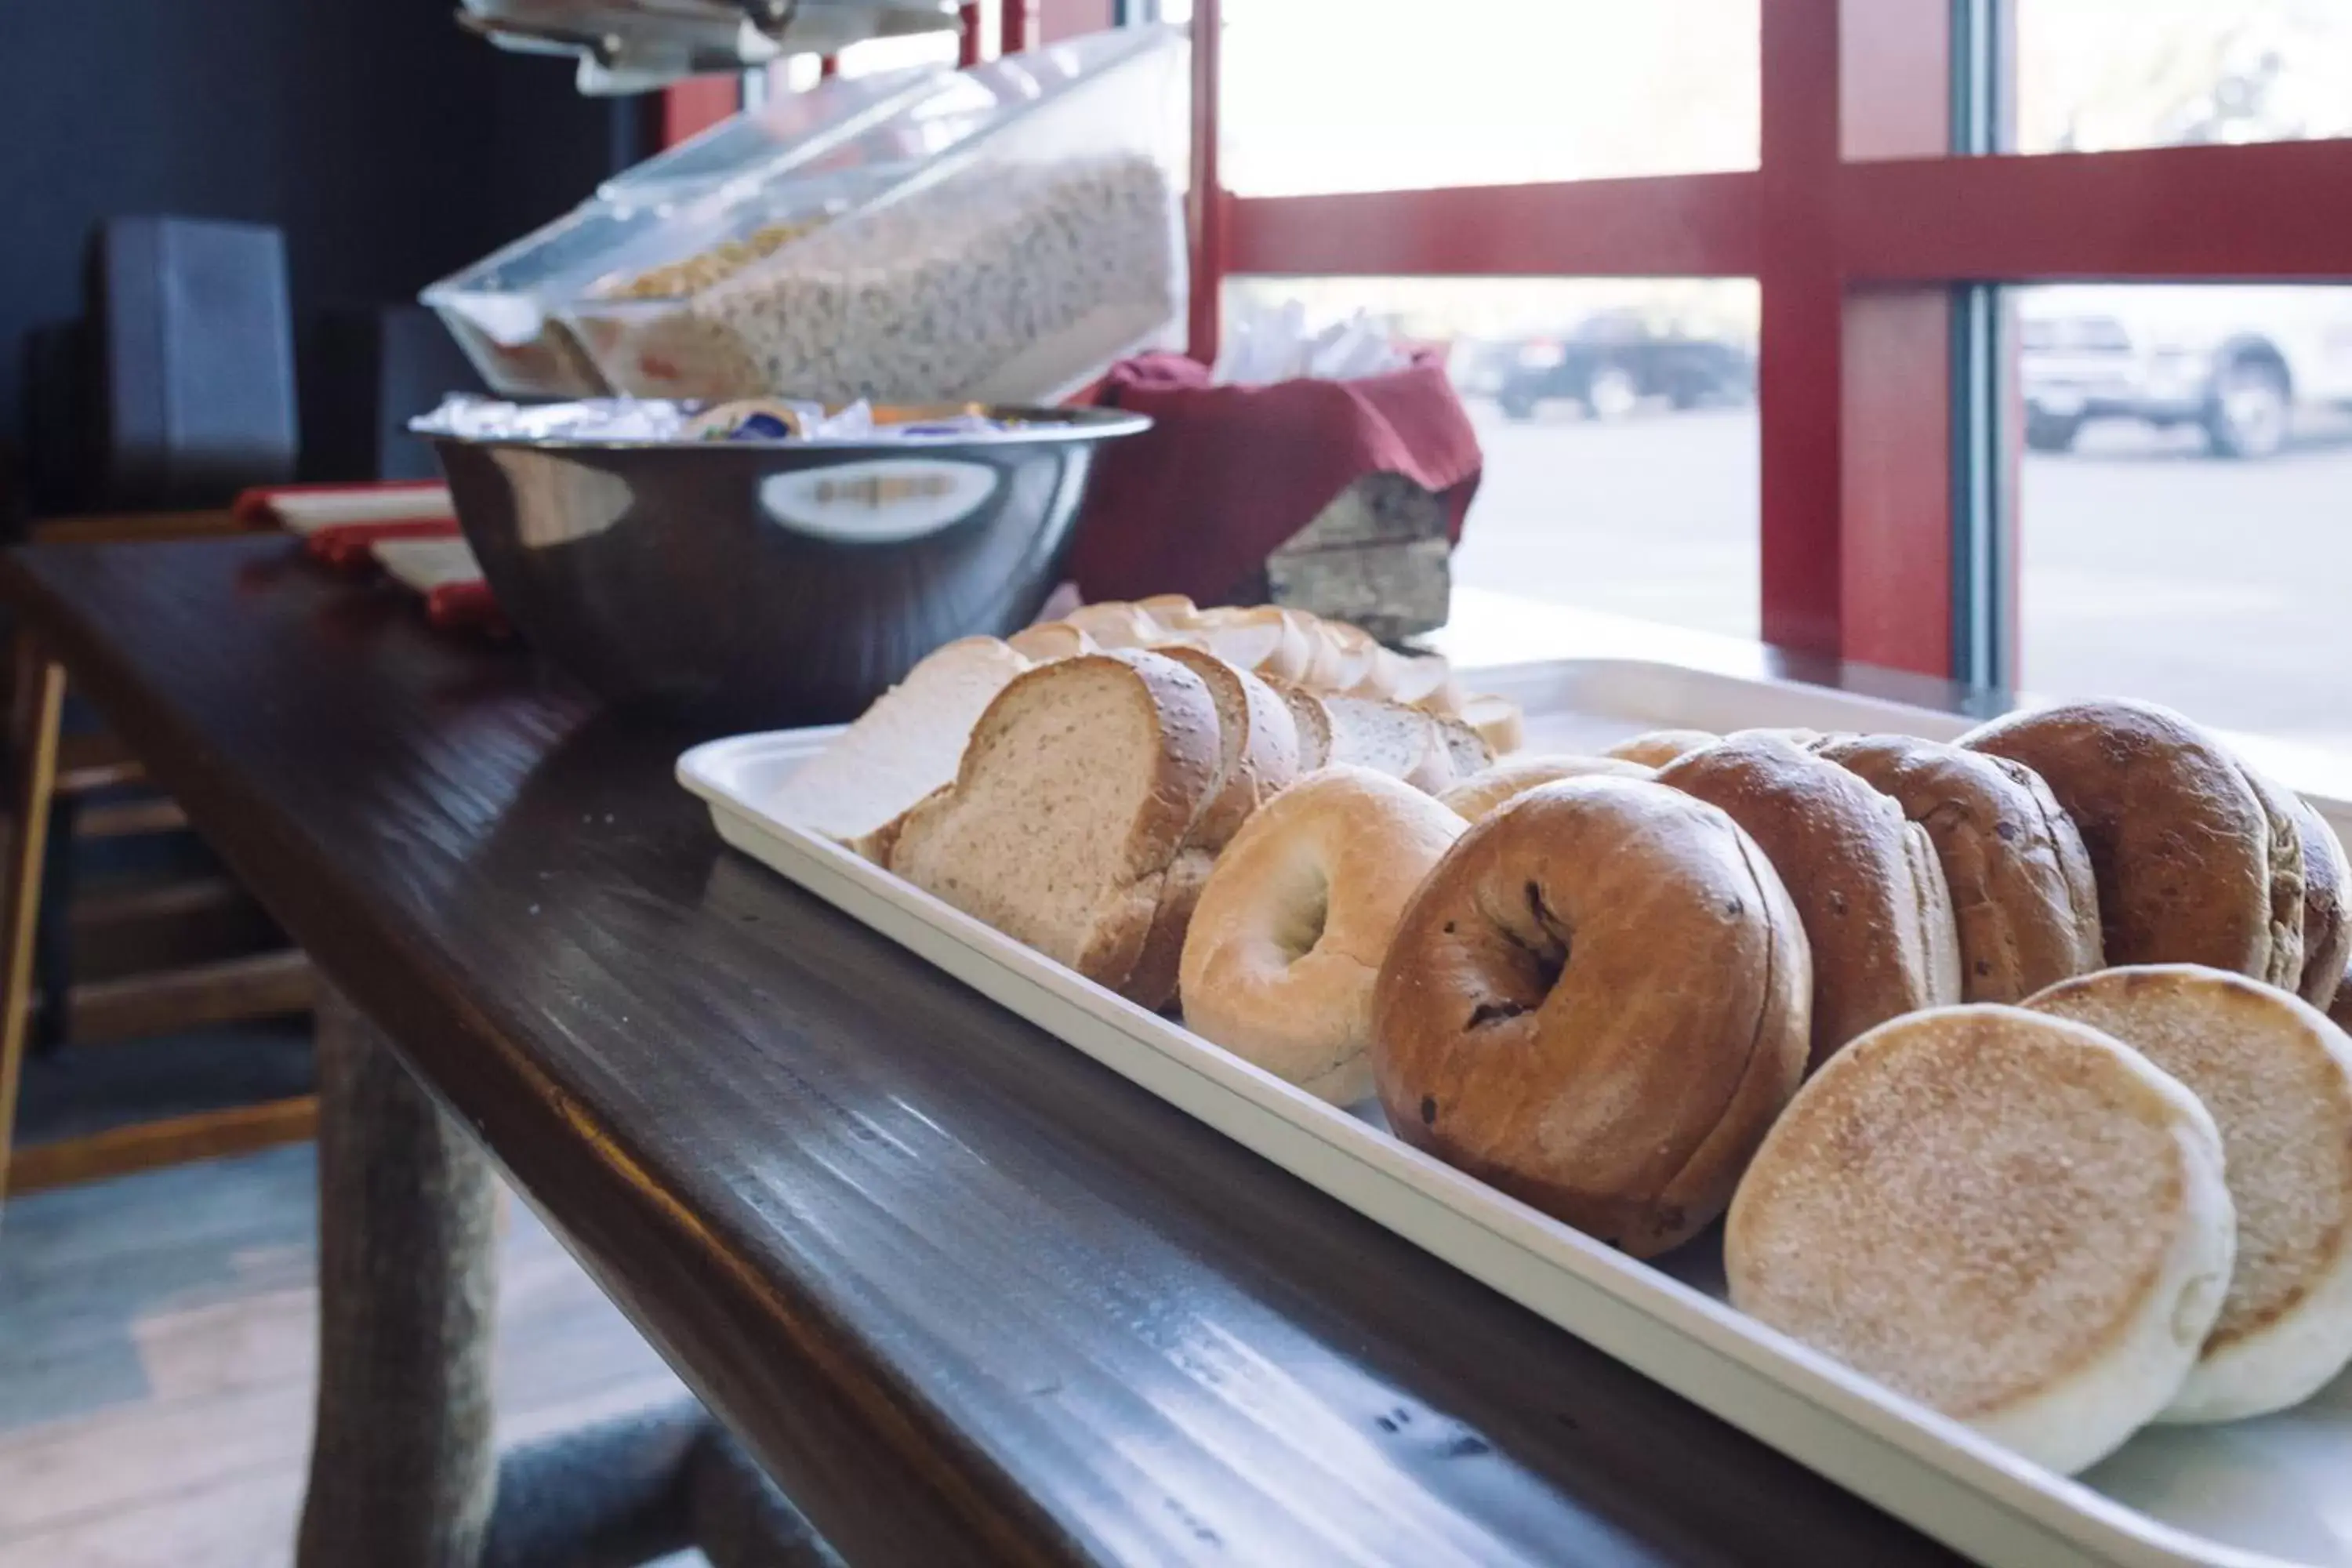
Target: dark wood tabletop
x,y
968,1295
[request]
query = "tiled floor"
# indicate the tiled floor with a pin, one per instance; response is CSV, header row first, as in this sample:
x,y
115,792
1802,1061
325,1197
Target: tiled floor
x,y
157,1351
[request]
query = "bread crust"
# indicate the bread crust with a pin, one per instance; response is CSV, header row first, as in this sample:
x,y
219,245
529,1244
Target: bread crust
x,y
2327,908
1659,747
1310,723
1174,705
2025,902
1259,743
1597,1002
1289,934
1866,882
2179,840
1485,791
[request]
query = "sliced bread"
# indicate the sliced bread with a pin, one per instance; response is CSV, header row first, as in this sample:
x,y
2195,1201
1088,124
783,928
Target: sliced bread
x,y
901,749
1389,738
1082,781
1049,640
1258,746
1310,721
1465,749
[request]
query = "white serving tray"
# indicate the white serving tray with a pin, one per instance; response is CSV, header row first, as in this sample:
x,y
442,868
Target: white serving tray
x,y
2278,1490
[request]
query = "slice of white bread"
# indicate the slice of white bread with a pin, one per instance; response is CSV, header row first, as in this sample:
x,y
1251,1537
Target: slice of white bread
x,y
1082,780
1426,680
901,749
1258,746
1049,640
1310,721
1389,738
1465,749
2011,1218
1499,723
1174,612
1116,623
1260,639
2277,1076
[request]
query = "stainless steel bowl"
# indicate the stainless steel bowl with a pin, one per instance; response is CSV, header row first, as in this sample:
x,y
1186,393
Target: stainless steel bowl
x,y
777,582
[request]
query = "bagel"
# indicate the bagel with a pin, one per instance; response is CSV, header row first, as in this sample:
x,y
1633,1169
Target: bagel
x,y
2024,903
1481,793
1290,930
2327,908
2194,860
2277,1079
1866,882
2008,1216
1598,1002
1659,747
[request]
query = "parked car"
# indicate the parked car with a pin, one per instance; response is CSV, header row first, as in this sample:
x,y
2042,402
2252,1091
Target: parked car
x,y
1614,362
2234,361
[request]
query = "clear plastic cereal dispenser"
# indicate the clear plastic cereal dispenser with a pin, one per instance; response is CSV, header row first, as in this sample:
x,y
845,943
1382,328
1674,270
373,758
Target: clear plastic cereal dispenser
x,y
1001,236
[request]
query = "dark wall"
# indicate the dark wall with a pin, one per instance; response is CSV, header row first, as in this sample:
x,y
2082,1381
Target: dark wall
x,y
390,146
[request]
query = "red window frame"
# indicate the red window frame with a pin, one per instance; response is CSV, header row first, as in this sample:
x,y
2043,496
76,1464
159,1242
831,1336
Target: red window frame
x,y
1860,225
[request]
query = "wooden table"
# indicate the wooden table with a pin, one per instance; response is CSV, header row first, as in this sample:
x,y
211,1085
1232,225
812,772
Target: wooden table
x,y
964,1294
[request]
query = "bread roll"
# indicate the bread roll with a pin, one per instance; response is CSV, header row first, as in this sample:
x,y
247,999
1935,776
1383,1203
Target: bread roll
x,y
1598,1003
1498,720
2025,904
1481,793
2277,1077
1292,926
2327,908
2008,1216
1659,747
1867,883
2195,862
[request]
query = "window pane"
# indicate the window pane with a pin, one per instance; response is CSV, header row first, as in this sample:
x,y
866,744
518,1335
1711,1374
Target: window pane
x,y
1364,95
1617,420
2185,499
2093,75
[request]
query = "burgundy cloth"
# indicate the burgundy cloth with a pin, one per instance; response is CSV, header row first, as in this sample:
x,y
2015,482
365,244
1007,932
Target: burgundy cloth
x,y
1227,474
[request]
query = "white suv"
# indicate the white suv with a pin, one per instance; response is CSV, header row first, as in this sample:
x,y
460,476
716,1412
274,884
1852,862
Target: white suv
x,y
2233,359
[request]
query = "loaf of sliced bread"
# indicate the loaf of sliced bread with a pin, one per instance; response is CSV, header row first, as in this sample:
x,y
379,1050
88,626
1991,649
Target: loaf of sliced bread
x,y
901,749
1082,783
1258,746
1465,749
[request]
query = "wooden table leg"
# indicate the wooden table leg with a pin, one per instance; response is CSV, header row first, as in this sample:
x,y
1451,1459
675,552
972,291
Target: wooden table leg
x,y
40,695
402,1471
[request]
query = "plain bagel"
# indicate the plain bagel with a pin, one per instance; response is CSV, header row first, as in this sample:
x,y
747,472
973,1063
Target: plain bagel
x,y
1291,927
1484,792
2193,864
1867,883
1598,1003
2025,903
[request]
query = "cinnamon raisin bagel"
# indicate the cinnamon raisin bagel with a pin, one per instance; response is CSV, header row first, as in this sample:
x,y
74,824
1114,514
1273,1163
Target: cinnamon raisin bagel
x,y
1866,882
1289,931
1598,1002
1484,791
2024,899
2196,862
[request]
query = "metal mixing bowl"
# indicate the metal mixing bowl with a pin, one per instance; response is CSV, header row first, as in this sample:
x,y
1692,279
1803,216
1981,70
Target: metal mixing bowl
x,y
771,583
